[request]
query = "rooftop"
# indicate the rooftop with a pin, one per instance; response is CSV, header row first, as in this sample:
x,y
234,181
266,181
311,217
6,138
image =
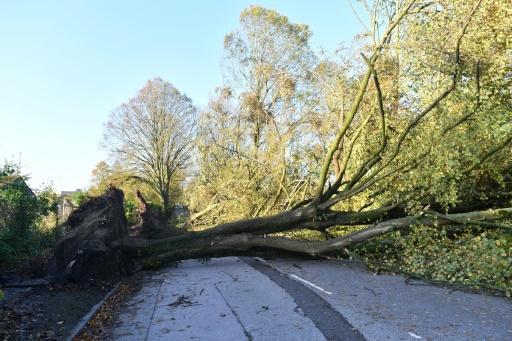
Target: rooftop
x,y
9,179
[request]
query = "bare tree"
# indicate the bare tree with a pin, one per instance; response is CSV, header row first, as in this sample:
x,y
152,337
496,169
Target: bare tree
x,y
153,134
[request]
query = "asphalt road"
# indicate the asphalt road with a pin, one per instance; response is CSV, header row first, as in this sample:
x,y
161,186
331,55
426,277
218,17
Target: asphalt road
x,y
248,299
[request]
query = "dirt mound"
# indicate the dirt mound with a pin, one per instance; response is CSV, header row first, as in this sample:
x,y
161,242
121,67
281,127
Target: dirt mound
x,y
92,247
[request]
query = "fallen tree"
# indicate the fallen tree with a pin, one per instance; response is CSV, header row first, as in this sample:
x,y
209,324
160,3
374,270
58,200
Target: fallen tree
x,y
399,167
220,242
98,244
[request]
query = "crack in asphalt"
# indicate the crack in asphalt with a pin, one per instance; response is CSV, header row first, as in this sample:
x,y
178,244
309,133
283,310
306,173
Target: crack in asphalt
x,y
249,336
154,309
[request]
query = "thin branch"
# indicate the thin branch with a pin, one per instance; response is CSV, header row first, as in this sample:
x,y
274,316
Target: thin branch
x,y
357,16
355,106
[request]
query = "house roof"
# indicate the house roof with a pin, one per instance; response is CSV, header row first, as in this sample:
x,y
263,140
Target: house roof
x,y
9,179
13,179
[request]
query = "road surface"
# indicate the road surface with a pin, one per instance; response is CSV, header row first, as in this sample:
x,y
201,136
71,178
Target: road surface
x,y
248,299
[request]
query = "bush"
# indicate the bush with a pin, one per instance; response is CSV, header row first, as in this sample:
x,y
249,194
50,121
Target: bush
x,y
7,252
23,230
79,197
130,208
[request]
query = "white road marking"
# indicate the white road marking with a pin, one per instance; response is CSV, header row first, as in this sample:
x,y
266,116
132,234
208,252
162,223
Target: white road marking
x,y
260,259
414,335
311,284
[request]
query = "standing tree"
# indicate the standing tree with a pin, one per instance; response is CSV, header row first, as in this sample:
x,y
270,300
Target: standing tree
x,y
267,64
153,134
253,128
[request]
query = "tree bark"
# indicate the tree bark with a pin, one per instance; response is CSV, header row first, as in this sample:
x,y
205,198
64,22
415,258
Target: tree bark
x,y
150,222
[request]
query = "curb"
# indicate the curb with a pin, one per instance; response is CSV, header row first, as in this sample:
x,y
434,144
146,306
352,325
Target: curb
x,y
90,314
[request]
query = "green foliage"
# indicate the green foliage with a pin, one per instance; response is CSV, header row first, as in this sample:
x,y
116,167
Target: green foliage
x,y
477,258
7,252
424,121
24,221
79,197
20,209
37,243
9,168
130,207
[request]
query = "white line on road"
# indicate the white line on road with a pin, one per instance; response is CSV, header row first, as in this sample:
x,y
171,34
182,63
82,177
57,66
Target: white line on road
x,y
311,284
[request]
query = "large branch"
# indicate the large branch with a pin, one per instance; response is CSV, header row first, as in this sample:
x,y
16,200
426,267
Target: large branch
x,y
324,173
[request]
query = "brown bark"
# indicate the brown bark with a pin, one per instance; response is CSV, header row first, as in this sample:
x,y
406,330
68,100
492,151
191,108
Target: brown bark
x,y
336,159
198,245
247,237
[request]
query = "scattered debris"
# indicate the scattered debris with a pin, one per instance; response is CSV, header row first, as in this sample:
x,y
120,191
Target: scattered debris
x,y
182,301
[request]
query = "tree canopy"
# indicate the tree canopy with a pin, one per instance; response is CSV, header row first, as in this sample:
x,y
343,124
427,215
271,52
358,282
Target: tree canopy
x,y
152,136
402,113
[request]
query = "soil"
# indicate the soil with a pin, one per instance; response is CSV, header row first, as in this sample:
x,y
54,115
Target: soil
x,y
34,309
98,328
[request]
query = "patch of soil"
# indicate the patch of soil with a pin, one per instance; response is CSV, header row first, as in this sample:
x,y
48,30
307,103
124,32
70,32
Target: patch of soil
x,y
44,311
103,320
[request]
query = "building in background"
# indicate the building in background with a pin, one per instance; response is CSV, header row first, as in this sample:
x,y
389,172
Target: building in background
x,y
65,204
6,181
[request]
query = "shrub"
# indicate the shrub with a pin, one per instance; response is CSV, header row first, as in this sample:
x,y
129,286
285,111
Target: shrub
x,y
23,231
130,208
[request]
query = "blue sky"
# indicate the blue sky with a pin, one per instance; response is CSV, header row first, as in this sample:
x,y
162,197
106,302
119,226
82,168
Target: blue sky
x,y
65,65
